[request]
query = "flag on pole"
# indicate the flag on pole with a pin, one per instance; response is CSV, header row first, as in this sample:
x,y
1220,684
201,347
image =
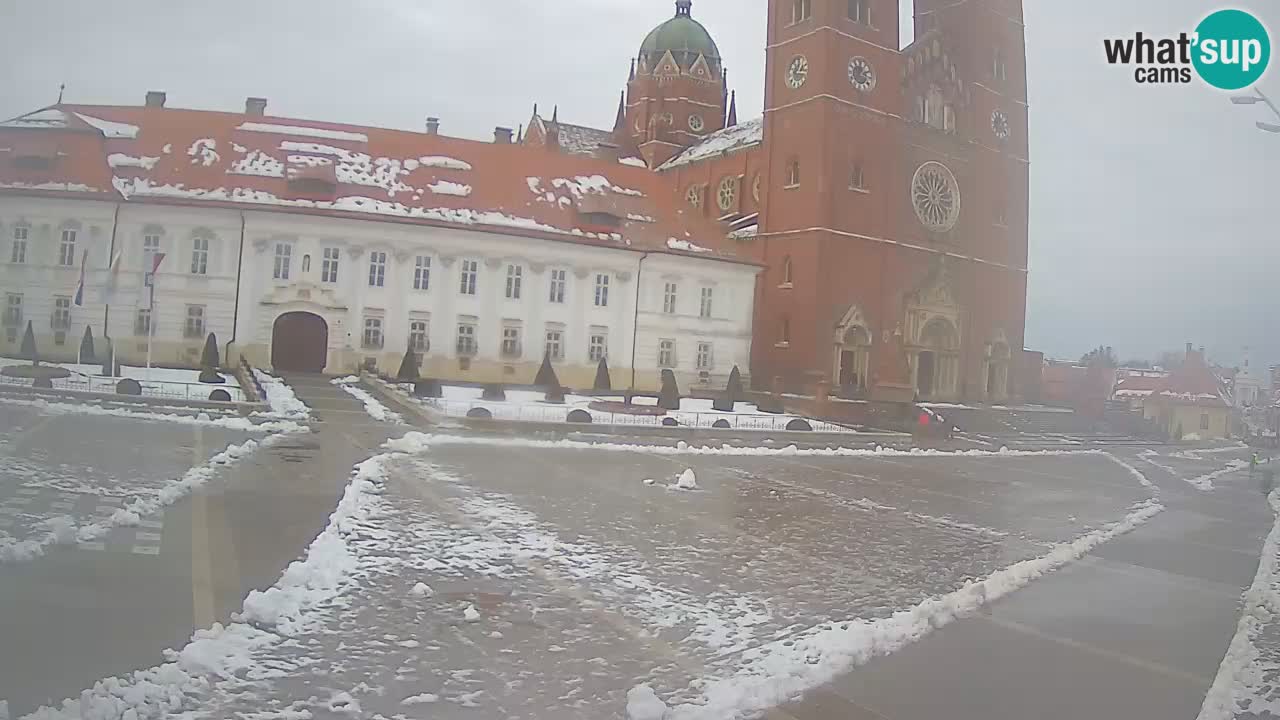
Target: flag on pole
x,y
147,291
111,288
84,260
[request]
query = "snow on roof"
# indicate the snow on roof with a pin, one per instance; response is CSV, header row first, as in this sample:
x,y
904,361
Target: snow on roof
x,y
728,140
49,118
303,131
195,157
1192,382
582,140
745,232
111,129
633,161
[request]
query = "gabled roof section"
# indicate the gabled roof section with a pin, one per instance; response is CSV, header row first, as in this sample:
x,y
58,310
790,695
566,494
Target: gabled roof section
x,y
722,142
1193,383
192,157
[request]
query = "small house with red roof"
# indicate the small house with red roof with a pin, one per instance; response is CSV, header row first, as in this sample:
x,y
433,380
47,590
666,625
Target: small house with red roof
x,y
1191,402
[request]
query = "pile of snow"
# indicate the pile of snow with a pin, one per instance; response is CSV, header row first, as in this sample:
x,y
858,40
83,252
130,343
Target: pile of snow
x,y
1204,483
281,398
470,614
778,671
1242,676
422,590
687,480
644,704
420,699
376,409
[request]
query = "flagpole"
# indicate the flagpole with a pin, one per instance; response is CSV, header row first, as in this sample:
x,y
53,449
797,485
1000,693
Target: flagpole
x,y
151,324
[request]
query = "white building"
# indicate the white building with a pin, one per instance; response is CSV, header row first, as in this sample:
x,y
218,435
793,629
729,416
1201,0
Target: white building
x,y
313,246
1250,387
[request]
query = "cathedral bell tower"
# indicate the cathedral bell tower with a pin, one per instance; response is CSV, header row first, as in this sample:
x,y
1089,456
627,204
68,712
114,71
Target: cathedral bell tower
x,y
676,93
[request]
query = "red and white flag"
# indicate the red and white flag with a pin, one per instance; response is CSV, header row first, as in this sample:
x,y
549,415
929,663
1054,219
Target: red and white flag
x,y
147,298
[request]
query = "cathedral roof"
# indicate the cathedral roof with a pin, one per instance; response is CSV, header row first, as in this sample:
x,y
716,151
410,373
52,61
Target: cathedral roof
x,y
221,159
724,141
685,38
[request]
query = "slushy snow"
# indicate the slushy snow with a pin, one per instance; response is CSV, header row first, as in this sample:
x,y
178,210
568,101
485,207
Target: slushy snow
x,y
471,614
644,704
376,409
280,397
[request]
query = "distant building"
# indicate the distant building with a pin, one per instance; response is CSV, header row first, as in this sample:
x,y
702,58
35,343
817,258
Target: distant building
x,y
1250,387
1134,385
1190,402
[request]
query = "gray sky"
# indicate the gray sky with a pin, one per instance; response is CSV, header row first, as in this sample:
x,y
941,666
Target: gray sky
x,y
1148,222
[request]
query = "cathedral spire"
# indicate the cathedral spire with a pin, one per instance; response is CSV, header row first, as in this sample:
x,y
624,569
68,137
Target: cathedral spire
x,y
620,122
683,8
555,114
733,110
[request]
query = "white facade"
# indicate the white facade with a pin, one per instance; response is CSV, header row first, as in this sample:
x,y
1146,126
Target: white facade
x,y
694,313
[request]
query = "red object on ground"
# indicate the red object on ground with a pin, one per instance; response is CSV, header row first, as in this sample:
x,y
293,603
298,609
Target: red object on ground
x,y
924,419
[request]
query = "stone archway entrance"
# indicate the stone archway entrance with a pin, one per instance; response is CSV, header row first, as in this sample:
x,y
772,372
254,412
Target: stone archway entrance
x,y
853,360
299,342
937,362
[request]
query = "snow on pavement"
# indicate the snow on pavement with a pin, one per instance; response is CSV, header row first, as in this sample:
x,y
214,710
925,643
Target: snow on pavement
x,y
376,409
1244,686
281,398
783,569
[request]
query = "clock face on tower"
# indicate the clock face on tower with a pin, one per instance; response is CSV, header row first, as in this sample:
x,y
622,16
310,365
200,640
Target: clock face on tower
x,y
1000,124
797,72
861,76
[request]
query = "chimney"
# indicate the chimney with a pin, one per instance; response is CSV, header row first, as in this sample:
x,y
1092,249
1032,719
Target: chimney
x,y
433,126
155,98
255,106
607,151
502,136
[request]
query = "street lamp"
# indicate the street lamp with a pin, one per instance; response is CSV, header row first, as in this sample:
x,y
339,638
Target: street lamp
x,y
1254,99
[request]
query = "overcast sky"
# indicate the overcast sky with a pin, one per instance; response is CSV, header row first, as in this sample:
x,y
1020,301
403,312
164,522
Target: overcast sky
x,y
1149,226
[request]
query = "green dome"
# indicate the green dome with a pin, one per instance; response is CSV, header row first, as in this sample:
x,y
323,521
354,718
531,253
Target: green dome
x,y
684,37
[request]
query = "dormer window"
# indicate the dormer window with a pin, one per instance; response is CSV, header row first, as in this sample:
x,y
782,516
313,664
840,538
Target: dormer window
x,y
312,175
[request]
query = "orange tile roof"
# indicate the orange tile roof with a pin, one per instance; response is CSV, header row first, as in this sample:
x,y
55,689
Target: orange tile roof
x,y
168,155
1192,382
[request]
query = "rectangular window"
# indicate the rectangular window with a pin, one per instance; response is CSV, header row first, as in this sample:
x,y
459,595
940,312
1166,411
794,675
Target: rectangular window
x,y
419,337
199,256
669,299
13,309
704,308
597,347
857,181
860,11
515,276
195,322
377,269
998,71
142,322
466,339
61,313
602,290
511,341
704,358
150,246
800,10
554,343
422,272
470,269
18,254
793,174
558,282
372,339
329,268
1204,421
67,250
284,253
667,353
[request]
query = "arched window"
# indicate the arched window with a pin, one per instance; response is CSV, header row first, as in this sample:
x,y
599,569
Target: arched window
x,y
793,173
857,180
933,107
306,263
786,270
784,331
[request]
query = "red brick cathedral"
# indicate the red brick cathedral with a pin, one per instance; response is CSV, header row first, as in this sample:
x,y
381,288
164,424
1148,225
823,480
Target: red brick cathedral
x,y
884,191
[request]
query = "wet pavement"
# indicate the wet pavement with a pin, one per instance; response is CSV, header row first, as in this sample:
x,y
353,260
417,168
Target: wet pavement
x,y
560,579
